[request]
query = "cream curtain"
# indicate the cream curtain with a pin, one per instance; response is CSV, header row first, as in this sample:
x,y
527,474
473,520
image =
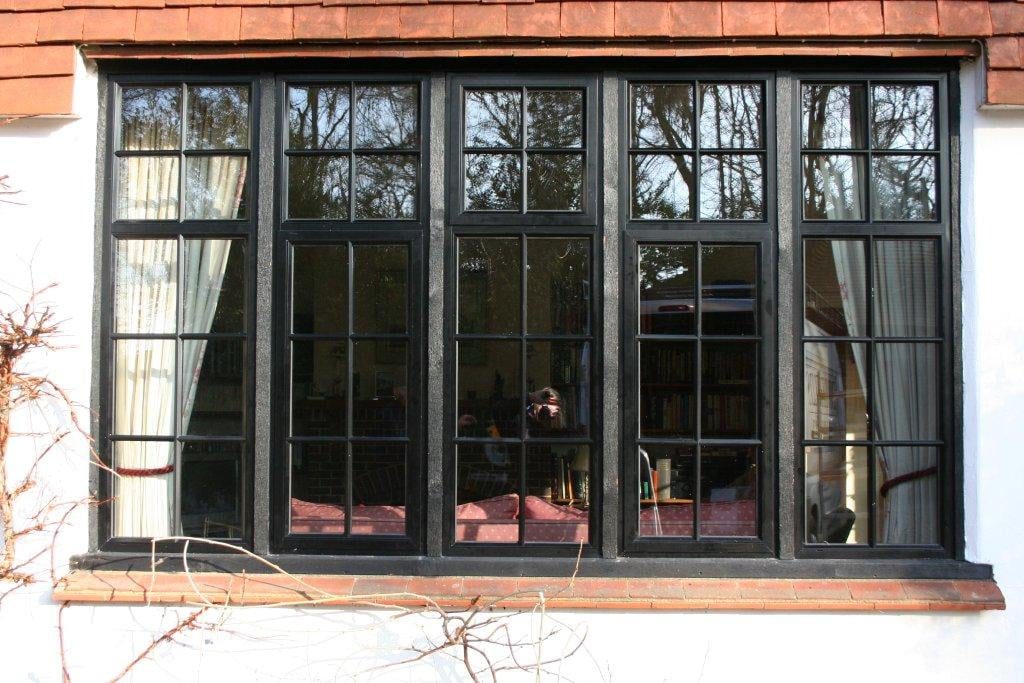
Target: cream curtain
x,y
147,290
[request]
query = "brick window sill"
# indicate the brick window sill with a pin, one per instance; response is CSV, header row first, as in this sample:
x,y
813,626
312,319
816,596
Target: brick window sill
x,y
453,592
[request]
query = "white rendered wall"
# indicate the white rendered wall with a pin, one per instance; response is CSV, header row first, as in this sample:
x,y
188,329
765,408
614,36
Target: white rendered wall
x,y
52,162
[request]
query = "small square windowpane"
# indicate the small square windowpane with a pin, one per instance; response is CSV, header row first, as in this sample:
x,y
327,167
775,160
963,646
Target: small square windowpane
x,y
214,286
903,188
662,115
386,116
903,116
146,286
833,116
834,187
318,187
218,117
730,116
836,495
215,187
494,182
318,117
555,182
555,118
493,118
147,188
386,186
151,118
907,494
732,187
662,186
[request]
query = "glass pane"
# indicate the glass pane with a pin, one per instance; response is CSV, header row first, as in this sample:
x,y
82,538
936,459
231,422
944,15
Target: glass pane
x,y
143,489
380,387
835,403
728,491
903,188
907,480
662,186
729,387
732,187
319,388
147,188
662,115
903,116
211,489
386,116
319,484
318,117
558,382
729,289
730,116
489,386
381,291
835,288
906,397
318,187
146,286
833,116
837,503
490,285
906,288
493,118
834,187
557,286
557,494
320,289
666,476
494,182
386,186
218,117
554,182
151,118
667,405
487,493
378,489
667,302
214,281
212,397
215,188
144,371
555,118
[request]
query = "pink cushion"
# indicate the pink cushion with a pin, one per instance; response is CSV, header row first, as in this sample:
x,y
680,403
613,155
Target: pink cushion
x,y
734,518
498,507
538,508
325,518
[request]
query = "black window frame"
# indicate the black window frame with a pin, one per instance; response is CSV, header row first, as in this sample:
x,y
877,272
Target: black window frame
x,y
458,83
782,521
289,232
760,233
115,229
944,230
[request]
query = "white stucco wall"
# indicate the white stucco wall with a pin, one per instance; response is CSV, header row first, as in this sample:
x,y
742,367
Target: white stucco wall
x,y
52,234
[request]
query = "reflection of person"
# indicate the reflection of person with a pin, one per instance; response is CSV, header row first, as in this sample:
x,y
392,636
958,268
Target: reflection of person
x,y
544,408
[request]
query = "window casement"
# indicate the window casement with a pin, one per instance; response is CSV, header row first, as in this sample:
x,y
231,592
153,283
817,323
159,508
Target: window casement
x,y
522,478
303,295
177,374
875,458
348,405
698,363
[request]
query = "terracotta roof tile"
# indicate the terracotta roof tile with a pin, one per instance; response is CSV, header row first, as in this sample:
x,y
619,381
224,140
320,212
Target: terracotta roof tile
x,y
162,26
911,17
41,60
855,18
425,22
748,18
373,22
320,23
587,19
483,21
109,25
801,18
19,29
214,24
46,96
540,20
964,18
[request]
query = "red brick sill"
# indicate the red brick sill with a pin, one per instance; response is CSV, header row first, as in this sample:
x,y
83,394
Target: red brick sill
x,y
453,592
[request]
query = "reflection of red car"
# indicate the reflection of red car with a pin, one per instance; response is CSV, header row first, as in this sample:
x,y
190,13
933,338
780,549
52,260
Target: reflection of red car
x,y
664,310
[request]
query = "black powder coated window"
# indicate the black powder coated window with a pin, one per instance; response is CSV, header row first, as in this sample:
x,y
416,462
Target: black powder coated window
x,y
876,436
523,407
699,262
353,151
177,325
523,150
348,315
874,401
